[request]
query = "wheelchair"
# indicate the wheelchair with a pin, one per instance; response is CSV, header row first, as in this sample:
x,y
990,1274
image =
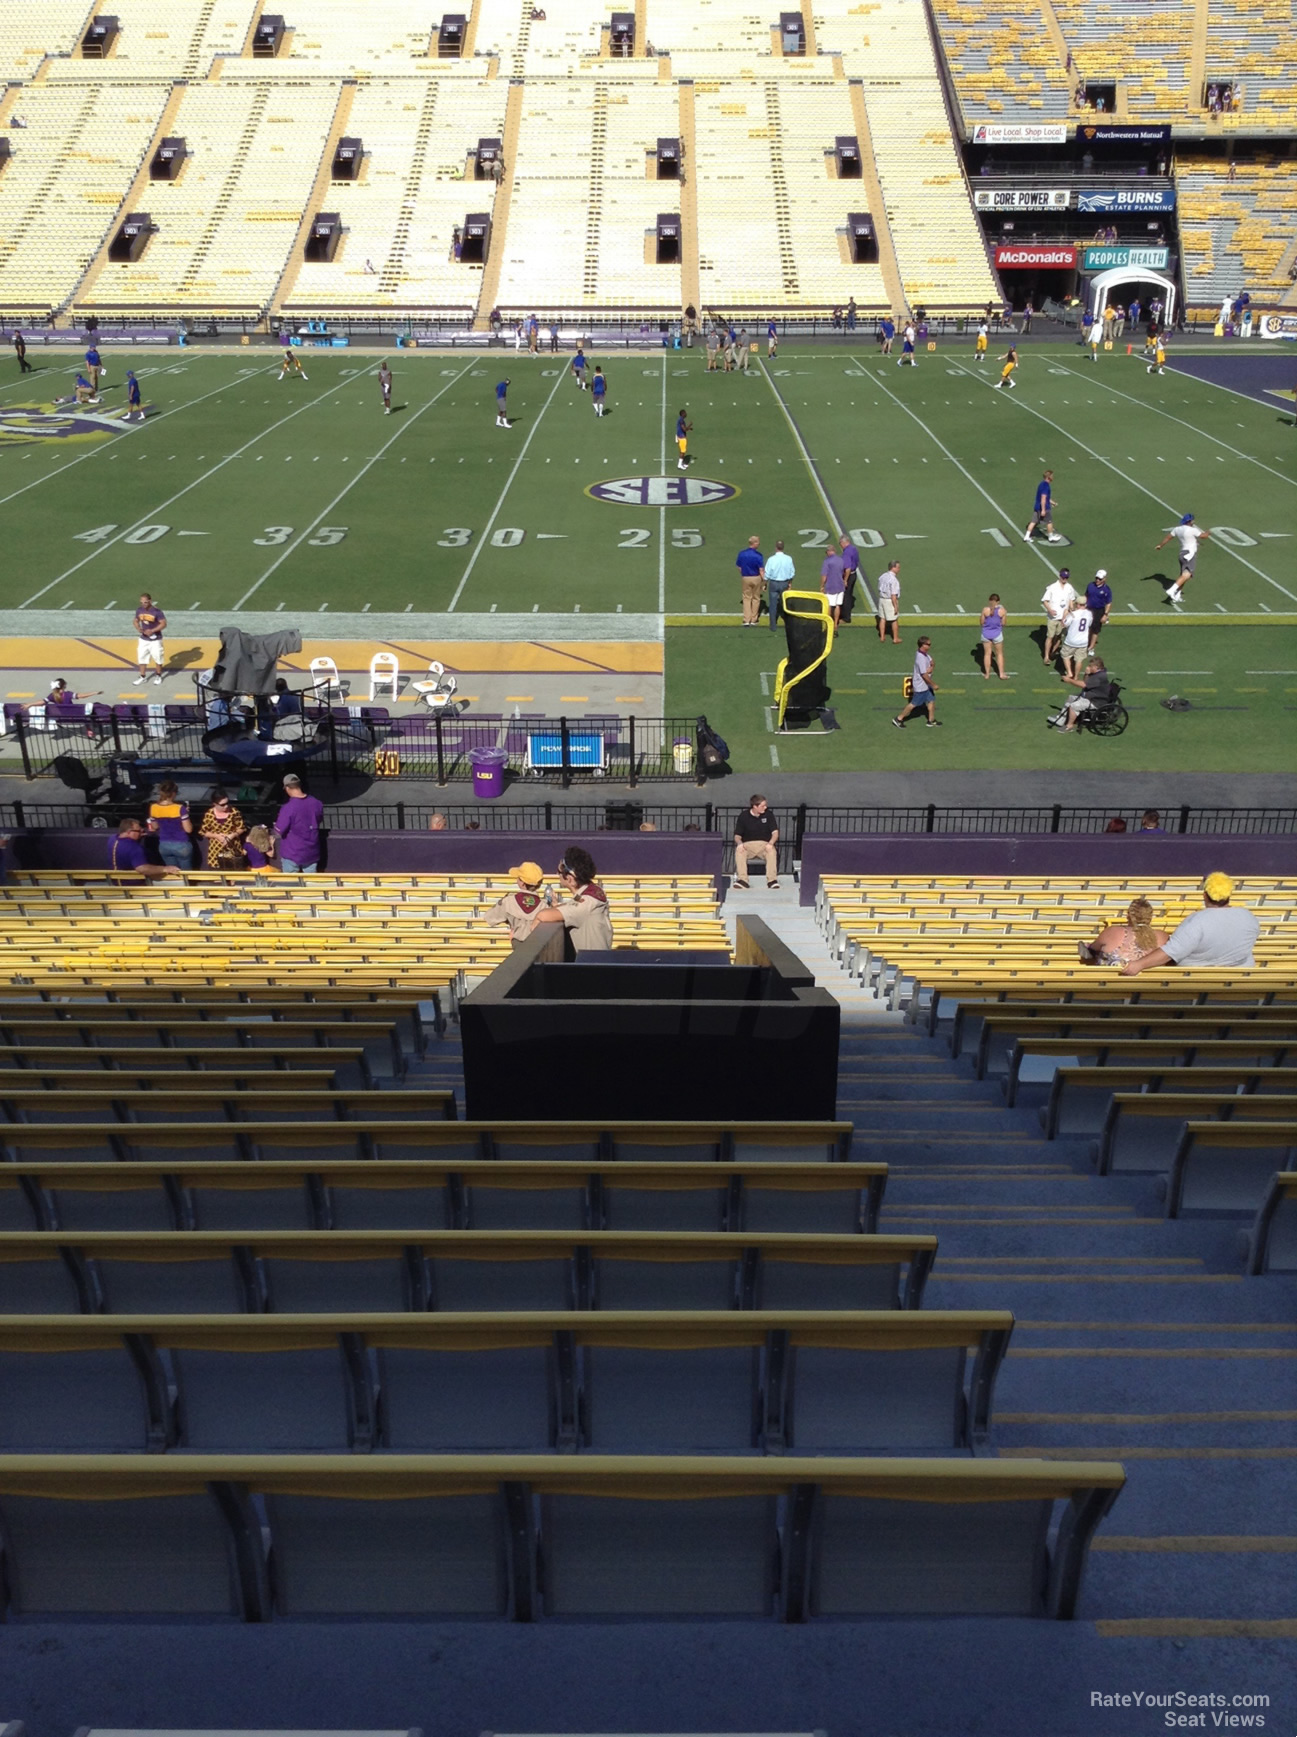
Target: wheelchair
x,y
1105,717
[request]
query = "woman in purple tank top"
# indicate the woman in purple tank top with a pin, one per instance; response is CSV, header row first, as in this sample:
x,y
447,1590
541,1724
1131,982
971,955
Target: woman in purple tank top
x,y
993,619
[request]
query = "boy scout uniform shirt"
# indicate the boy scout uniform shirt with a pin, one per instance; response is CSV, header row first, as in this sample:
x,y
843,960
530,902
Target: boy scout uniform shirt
x,y
518,910
586,917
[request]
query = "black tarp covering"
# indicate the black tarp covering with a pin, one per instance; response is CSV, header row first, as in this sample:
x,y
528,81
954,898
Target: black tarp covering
x,y
246,664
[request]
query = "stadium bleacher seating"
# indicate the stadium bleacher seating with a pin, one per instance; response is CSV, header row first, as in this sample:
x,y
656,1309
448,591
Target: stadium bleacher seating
x,y
1005,63
78,152
1080,1097
226,225
349,930
400,216
32,29
575,230
1272,1245
1236,235
1140,45
736,1383
209,1272
1251,45
638,1537
163,1188
939,247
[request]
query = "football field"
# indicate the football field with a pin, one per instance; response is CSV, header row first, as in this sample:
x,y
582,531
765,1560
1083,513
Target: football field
x,y
242,492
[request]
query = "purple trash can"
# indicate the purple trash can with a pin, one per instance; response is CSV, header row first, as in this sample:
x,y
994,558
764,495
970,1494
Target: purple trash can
x,y
488,772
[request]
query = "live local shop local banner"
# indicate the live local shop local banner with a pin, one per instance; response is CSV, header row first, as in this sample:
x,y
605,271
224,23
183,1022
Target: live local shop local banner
x,y
1027,133
1103,258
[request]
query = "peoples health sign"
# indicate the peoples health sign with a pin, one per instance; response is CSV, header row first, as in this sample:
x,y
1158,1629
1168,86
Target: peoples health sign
x,y
1127,199
1104,258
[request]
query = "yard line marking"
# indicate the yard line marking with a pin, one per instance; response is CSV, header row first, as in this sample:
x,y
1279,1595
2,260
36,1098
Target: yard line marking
x,y
95,450
1131,399
517,466
774,755
834,522
989,499
319,519
1108,464
148,517
662,512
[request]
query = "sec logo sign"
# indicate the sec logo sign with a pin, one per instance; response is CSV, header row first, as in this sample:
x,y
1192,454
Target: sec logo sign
x,y
661,491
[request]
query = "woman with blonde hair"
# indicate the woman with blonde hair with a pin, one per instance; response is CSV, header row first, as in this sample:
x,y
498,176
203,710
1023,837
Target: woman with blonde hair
x,y
1122,943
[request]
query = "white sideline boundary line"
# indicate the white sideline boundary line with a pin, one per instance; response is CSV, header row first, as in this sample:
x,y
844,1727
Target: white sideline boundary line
x,y
1194,429
662,512
95,451
148,517
1108,464
835,525
989,499
517,465
343,493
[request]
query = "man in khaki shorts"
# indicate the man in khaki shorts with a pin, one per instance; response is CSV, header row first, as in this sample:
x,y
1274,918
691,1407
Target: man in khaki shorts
x,y
585,911
889,602
150,625
518,909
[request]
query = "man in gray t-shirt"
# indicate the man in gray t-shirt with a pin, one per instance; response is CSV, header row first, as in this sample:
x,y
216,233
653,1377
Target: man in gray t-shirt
x,y
1216,935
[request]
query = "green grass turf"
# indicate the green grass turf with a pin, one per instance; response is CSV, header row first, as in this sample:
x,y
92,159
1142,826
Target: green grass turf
x,y
1240,680
431,498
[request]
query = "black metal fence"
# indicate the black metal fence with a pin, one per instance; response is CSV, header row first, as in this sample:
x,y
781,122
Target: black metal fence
x,y
141,742
643,813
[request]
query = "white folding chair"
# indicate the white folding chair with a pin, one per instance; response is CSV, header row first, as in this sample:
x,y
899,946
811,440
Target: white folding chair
x,y
439,690
324,674
384,672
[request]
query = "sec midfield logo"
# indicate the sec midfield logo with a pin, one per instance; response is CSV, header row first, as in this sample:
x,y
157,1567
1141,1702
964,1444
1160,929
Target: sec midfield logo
x,y
25,424
661,491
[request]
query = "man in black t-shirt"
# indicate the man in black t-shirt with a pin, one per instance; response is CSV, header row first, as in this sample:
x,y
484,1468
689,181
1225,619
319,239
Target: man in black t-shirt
x,y
756,834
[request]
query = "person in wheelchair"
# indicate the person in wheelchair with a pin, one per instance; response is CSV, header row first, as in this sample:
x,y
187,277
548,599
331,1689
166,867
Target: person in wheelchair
x,y
1096,707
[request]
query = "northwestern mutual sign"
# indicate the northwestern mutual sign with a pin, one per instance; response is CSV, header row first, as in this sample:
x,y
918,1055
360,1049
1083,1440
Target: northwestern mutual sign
x,y
1106,199
1103,258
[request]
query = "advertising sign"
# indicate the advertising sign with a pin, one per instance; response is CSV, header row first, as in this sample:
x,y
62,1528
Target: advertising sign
x,y
1279,325
1022,199
1028,133
1038,255
1099,258
1123,135
1102,201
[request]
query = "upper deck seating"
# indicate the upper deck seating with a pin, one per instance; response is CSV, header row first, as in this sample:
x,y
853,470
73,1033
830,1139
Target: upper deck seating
x,y
400,216
71,166
226,225
1004,61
